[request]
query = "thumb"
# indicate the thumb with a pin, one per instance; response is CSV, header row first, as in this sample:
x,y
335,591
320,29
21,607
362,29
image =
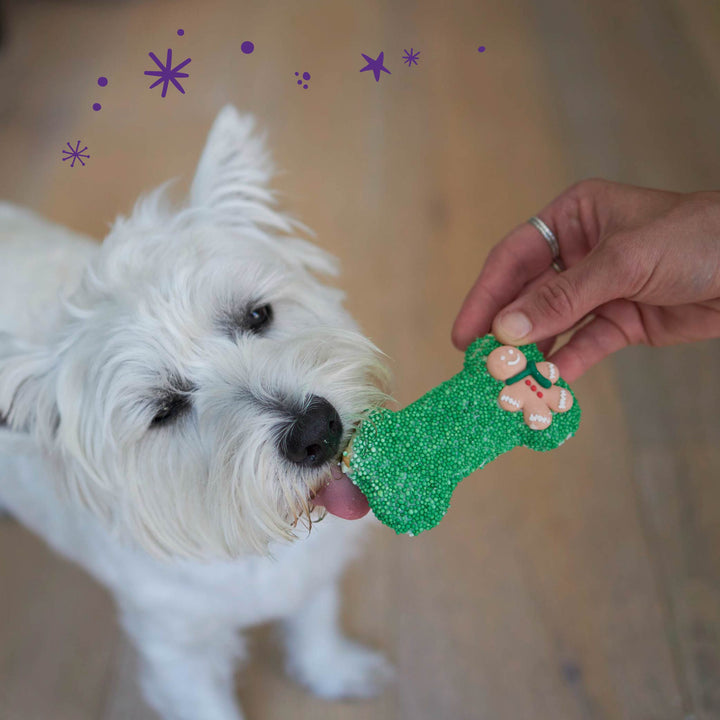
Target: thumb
x,y
554,306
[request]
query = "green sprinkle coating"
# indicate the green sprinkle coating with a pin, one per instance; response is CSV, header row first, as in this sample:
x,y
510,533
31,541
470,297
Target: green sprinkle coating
x,y
408,463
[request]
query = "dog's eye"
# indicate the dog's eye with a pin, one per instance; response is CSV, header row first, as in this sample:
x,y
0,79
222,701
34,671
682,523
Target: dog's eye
x,y
258,318
171,406
252,319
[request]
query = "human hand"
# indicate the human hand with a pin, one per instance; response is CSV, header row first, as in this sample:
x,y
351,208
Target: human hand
x,y
643,264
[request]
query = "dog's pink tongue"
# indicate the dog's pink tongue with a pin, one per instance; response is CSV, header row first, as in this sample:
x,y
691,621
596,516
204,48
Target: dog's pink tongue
x,y
340,497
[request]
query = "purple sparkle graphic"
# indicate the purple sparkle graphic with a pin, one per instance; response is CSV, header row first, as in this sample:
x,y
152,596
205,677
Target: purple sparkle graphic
x,y
75,153
410,57
481,48
247,47
167,74
376,65
305,77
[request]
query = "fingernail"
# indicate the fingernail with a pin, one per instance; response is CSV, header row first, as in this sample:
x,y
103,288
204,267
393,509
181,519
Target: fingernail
x,y
514,325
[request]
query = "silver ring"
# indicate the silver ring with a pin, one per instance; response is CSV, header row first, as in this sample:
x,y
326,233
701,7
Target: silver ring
x,y
549,235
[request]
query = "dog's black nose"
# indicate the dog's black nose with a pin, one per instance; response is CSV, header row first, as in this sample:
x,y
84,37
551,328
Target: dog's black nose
x,y
314,436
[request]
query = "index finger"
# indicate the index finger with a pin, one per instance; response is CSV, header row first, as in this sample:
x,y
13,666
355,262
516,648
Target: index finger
x,y
516,260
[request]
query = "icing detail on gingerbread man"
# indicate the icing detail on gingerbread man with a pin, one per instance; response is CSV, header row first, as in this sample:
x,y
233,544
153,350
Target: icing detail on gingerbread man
x,y
529,386
510,401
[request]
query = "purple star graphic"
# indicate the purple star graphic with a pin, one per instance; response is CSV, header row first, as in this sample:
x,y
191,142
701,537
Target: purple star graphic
x,y
410,57
167,73
375,65
75,153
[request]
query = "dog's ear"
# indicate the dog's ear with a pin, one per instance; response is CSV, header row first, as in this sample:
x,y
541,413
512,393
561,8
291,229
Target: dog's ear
x,y
25,404
232,177
232,184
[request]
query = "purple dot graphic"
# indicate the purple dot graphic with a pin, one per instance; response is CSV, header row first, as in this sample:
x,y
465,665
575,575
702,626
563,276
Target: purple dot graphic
x,y
303,80
102,82
181,32
481,48
247,47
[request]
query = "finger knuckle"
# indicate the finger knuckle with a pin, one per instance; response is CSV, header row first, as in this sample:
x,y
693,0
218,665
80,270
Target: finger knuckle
x,y
588,187
581,203
629,329
557,299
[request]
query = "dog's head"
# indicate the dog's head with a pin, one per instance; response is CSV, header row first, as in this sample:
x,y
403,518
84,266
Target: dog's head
x,y
202,381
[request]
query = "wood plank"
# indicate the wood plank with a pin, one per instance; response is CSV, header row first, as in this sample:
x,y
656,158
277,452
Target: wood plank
x,y
676,50
676,464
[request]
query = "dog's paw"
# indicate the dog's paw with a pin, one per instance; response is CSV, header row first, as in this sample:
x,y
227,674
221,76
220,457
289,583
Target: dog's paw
x,y
348,670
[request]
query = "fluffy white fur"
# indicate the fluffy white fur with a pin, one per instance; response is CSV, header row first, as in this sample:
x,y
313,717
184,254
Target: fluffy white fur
x,y
199,526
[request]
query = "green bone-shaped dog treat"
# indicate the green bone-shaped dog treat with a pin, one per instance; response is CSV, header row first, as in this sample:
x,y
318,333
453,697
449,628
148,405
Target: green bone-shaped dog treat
x,y
408,463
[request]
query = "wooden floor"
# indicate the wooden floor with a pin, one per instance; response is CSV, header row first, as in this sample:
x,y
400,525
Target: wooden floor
x,y
581,584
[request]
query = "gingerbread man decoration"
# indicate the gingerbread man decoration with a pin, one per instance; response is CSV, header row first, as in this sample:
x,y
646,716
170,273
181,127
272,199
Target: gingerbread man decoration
x,y
529,386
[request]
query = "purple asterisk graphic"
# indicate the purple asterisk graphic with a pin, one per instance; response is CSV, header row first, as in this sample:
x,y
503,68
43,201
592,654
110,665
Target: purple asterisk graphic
x,y
75,153
376,65
167,73
410,57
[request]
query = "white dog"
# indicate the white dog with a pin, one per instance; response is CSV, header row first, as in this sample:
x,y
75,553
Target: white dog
x,y
173,404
